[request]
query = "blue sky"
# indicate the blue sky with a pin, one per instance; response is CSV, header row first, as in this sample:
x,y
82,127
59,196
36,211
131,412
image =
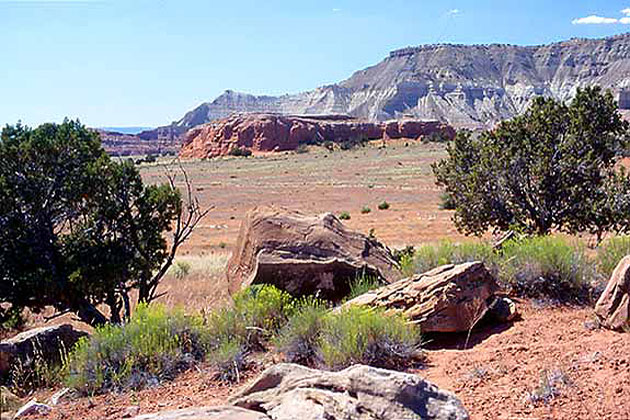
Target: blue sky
x,y
146,62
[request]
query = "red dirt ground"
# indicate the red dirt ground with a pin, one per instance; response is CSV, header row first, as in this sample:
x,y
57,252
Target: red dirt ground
x,y
492,377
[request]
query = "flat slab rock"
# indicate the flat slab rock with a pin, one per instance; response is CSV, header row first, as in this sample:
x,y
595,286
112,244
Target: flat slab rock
x,y
450,298
288,392
49,342
205,413
613,306
305,254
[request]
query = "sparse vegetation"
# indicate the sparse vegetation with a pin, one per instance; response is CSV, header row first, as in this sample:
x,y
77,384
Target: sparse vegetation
x,y
447,252
363,284
384,205
547,267
153,346
299,340
363,335
302,148
240,152
549,386
611,252
365,210
344,215
181,269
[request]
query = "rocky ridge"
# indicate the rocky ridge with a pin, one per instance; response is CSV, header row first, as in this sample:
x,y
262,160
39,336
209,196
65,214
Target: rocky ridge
x,y
471,86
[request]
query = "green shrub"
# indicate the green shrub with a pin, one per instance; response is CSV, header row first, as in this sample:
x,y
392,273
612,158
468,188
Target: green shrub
x,y
240,151
428,257
365,210
153,346
363,284
359,334
611,252
300,337
181,269
229,360
344,215
447,202
257,313
405,258
383,206
547,267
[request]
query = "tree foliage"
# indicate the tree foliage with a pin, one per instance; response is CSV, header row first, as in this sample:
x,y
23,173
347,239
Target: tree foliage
x,y
552,168
78,229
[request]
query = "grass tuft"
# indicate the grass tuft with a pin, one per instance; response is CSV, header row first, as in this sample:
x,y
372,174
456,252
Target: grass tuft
x,y
359,334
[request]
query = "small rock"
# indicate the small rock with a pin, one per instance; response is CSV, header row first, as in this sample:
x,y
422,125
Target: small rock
x,y
33,407
131,411
57,396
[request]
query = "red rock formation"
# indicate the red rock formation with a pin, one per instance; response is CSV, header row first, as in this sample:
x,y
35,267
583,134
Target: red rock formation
x,y
273,132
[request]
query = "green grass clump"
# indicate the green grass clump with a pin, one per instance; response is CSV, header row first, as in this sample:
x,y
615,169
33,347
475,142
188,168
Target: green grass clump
x,y
383,206
344,215
363,284
299,340
153,346
365,210
181,269
428,257
360,334
547,267
611,252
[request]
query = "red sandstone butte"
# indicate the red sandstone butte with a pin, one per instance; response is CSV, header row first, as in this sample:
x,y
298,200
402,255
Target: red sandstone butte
x,y
274,132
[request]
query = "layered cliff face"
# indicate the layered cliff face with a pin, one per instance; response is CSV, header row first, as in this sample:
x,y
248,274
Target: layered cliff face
x,y
275,132
465,86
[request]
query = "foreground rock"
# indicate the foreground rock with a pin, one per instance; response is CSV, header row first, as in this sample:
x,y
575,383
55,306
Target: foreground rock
x,y
450,298
613,306
45,343
305,254
288,392
274,132
206,413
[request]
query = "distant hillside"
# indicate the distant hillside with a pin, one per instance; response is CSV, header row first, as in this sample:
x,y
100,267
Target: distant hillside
x,y
125,130
464,85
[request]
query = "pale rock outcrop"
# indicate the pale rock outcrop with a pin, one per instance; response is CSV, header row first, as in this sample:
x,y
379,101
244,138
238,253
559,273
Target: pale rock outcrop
x,y
289,392
205,413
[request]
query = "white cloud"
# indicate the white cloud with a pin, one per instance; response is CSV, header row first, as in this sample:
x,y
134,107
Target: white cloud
x,y
453,12
625,20
594,20
335,10
626,11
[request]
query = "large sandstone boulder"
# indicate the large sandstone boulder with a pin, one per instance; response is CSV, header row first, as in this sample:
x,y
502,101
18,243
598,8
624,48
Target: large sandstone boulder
x,y
289,392
613,306
47,343
205,413
305,254
450,298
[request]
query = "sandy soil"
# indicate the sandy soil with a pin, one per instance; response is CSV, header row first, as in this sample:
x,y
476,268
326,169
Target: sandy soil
x,y
322,181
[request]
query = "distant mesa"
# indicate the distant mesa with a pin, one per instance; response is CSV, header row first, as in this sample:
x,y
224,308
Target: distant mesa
x,y
465,86
275,132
